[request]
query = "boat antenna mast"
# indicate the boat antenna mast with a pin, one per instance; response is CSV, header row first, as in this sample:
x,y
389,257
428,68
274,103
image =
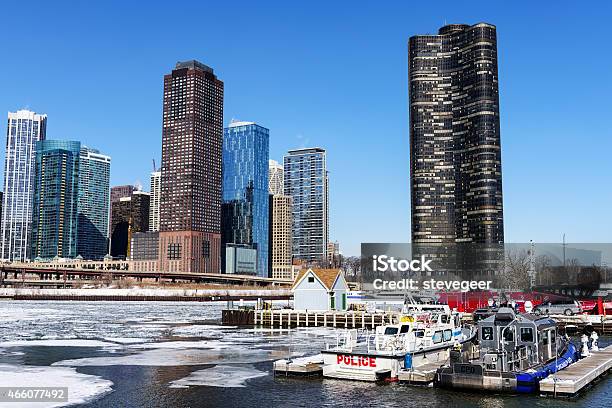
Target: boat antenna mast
x,y
531,272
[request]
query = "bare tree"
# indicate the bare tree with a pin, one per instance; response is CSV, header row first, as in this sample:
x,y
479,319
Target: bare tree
x,y
352,266
543,271
514,272
572,268
107,278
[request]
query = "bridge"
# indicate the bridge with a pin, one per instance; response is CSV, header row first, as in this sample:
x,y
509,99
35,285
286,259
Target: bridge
x,y
28,275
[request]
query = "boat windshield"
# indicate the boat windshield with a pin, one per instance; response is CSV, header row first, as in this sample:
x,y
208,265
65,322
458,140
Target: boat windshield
x,y
390,331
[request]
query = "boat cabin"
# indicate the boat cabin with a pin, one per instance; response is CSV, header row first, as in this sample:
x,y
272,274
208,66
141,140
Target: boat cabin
x,y
418,331
512,342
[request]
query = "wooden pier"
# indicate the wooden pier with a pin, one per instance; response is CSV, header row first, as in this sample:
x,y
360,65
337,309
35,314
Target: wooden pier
x,y
602,324
301,318
578,376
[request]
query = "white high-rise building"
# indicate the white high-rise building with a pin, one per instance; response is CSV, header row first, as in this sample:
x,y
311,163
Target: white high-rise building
x,y
154,203
275,177
24,129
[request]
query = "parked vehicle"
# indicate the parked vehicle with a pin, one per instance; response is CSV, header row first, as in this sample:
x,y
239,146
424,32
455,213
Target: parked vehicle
x,y
565,307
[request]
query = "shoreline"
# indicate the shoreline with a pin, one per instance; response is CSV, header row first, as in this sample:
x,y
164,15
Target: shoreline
x,y
143,294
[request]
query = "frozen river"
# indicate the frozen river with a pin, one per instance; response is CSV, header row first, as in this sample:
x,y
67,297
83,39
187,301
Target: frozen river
x,y
178,355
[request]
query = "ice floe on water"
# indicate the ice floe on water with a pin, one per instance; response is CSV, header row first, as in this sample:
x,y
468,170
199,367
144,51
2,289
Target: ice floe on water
x,y
152,334
9,352
57,343
204,344
150,320
200,330
178,357
81,387
219,376
125,340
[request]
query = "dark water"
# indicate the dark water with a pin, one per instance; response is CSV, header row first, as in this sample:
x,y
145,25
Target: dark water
x,y
146,387
148,347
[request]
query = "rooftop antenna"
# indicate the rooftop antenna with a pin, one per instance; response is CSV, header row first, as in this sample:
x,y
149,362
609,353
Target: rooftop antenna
x,y
154,167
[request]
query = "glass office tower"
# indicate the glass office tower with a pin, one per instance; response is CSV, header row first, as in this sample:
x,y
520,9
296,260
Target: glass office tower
x,y
56,185
306,183
245,189
94,193
24,129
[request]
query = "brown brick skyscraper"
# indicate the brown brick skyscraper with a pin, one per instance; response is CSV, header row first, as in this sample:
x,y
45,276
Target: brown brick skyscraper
x,y
190,207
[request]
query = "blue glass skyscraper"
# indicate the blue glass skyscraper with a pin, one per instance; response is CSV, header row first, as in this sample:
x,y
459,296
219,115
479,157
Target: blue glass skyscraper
x,y
94,196
244,213
54,213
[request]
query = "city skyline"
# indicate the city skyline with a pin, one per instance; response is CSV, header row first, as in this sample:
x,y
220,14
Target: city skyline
x,y
542,186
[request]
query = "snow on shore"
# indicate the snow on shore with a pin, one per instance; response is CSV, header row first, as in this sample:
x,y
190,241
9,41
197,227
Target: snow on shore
x,y
7,292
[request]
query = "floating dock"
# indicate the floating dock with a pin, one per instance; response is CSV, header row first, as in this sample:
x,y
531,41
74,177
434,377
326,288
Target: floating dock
x,y
355,374
302,318
302,366
575,378
423,375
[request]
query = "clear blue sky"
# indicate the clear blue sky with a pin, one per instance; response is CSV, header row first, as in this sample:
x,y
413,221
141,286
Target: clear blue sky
x,y
332,74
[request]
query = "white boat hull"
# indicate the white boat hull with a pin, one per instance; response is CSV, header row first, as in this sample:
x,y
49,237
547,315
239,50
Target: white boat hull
x,y
374,366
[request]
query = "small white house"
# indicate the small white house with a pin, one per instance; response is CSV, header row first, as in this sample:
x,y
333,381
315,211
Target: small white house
x,y
320,290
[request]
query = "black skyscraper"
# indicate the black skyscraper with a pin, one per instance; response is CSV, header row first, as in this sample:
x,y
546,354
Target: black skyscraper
x,y
456,180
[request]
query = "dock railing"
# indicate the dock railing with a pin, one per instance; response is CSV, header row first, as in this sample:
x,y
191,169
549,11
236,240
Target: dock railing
x,y
307,318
